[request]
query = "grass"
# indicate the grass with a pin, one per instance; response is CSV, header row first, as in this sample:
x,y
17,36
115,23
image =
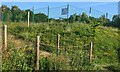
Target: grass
x,y
73,54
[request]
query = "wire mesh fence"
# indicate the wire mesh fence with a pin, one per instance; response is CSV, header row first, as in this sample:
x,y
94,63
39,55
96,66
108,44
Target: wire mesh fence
x,y
55,12
52,12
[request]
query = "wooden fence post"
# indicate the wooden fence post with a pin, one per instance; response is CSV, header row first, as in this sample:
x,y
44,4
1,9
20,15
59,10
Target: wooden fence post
x,y
28,18
5,37
0,54
37,52
91,46
58,44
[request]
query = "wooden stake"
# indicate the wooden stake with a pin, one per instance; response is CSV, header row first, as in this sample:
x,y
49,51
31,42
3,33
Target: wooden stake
x,y
37,52
28,18
58,44
91,52
5,37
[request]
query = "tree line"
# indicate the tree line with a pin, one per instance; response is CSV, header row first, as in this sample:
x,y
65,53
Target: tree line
x,y
15,14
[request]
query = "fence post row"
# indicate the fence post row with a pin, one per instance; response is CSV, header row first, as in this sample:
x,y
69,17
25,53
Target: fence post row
x,y
37,52
91,46
58,44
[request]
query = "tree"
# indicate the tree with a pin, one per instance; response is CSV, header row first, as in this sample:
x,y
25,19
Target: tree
x,y
103,19
40,17
116,21
93,20
85,18
16,14
72,18
25,15
77,18
6,14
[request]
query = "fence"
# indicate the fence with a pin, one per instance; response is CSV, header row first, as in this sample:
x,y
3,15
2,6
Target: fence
x,y
68,40
59,44
54,13
0,47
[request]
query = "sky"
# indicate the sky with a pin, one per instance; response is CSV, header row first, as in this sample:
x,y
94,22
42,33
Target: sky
x,y
59,0
98,8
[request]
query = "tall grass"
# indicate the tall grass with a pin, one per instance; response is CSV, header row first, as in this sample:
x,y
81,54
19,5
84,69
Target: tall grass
x,y
74,45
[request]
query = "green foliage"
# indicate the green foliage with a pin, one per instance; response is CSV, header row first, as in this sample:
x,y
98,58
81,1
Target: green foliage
x,y
73,18
85,18
116,20
74,46
19,59
16,14
40,17
5,12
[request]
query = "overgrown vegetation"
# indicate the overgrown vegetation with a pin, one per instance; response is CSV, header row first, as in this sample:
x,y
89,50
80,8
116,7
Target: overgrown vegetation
x,y
74,46
75,38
